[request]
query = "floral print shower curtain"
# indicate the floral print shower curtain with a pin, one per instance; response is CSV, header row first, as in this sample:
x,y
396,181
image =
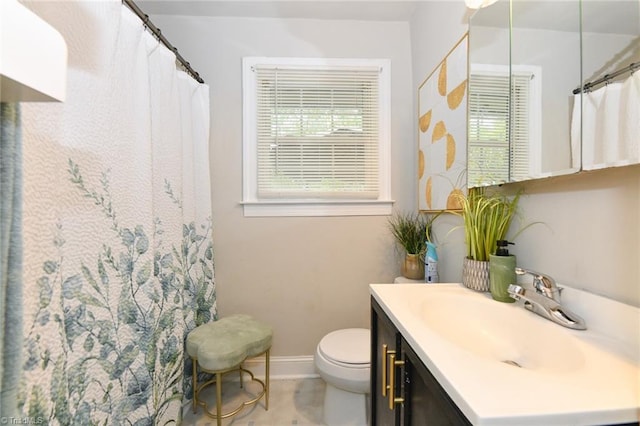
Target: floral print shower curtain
x,y
117,224
10,258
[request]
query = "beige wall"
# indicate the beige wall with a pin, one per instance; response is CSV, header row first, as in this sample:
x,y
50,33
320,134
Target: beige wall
x,y
305,276
435,28
590,237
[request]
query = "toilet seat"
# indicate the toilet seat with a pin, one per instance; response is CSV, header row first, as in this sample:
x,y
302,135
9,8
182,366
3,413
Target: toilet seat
x,y
349,347
343,359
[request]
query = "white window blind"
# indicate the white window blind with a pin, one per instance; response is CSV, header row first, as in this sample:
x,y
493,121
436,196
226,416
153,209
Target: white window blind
x,y
488,151
499,150
317,133
521,121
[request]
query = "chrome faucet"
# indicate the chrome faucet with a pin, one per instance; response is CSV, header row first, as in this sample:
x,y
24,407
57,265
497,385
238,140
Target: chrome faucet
x,y
543,284
544,300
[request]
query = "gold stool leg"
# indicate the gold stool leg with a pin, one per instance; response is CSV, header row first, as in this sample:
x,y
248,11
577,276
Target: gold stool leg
x,y
219,399
266,395
194,380
240,373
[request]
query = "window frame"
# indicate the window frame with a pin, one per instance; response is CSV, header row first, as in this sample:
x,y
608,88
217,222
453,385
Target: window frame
x,y
253,205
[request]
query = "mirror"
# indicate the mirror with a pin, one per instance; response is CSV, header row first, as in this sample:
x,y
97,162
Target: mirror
x,y
488,102
611,44
522,73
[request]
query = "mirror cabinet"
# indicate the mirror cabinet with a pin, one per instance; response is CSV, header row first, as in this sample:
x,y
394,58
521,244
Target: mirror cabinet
x,y
488,148
528,63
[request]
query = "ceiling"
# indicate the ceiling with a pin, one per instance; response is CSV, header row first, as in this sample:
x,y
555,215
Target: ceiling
x,y
611,16
562,15
598,16
361,10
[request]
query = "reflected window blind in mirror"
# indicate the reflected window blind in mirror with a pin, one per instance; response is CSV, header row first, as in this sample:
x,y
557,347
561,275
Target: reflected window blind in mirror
x,y
491,157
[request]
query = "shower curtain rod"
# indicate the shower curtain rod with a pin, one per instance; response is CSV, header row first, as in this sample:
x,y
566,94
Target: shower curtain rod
x,y
158,34
588,86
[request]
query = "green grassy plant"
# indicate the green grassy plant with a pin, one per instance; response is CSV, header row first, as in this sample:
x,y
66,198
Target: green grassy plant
x,y
487,218
412,231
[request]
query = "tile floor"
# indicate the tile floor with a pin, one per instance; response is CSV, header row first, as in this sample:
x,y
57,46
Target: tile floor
x,y
291,402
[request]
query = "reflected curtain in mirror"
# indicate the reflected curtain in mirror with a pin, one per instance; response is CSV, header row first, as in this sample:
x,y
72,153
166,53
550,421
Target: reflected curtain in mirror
x,y
611,125
442,132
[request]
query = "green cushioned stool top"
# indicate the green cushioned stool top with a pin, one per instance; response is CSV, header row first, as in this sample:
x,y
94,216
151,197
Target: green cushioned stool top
x,y
225,343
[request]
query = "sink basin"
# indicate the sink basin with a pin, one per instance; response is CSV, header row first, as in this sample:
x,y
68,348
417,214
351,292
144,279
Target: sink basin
x,y
501,332
504,365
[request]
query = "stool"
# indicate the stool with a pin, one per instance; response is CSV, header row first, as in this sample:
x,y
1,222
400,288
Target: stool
x,y
221,347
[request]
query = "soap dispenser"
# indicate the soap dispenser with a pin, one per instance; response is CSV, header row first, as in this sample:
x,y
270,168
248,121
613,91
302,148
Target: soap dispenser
x,y
502,272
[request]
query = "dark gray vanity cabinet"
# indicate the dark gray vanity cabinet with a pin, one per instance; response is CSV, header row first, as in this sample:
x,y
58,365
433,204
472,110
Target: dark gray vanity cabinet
x,y
385,341
425,401
403,391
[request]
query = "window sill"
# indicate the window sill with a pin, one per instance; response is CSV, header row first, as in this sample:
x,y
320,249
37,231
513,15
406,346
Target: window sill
x,y
317,208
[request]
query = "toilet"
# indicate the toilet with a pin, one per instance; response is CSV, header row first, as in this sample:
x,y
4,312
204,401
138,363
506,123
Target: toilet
x,y
343,359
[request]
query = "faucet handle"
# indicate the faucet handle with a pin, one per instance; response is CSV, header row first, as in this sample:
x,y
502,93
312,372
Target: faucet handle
x,y
515,291
543,284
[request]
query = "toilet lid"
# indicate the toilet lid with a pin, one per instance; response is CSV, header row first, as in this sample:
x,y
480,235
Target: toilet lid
x,y
350,346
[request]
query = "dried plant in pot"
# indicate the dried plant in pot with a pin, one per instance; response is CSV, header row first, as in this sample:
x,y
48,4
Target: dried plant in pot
x,y
487,217
411,231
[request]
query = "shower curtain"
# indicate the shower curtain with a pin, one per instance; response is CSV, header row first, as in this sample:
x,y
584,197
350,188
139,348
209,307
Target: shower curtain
x,y
10,258
118,261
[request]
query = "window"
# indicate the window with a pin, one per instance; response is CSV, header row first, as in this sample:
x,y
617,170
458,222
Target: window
x,y
503,158
316,137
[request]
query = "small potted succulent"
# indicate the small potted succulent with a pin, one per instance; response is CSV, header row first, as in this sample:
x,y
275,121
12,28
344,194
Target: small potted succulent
x,y
411,231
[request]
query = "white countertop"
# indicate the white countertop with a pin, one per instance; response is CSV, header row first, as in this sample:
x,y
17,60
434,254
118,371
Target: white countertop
x,y
597,383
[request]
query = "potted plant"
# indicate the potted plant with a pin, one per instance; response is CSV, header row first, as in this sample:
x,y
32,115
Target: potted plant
x,y
411,231
486,217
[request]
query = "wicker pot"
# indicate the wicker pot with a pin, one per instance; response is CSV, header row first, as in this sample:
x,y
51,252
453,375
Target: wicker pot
x,y
413,267
475,274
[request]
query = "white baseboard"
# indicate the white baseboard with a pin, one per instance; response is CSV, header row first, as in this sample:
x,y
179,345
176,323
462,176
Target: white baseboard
x,y
284,367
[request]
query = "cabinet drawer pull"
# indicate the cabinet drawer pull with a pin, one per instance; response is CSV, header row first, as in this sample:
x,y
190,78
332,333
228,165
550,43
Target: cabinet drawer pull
x,y
385,353
392,380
